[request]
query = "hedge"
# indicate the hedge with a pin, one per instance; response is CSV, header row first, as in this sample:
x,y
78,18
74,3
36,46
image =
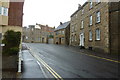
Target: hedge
x,y
12,41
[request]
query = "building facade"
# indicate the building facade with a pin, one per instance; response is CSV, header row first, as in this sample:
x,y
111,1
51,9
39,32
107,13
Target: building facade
x,y
61,33
94,23
38,34
11,16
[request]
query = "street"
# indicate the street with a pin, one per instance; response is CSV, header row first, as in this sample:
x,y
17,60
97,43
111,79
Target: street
x,y
58,61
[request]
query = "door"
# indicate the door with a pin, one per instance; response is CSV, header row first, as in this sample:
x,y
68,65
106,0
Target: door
x,y
81,39
59,40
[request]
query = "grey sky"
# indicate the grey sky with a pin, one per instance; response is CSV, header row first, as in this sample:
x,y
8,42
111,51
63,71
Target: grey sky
x,y
50,12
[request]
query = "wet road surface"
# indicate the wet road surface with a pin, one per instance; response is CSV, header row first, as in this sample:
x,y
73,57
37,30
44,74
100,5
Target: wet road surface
x,y
69,63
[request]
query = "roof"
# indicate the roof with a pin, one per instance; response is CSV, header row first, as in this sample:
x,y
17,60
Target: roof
x,y
64,25
79,9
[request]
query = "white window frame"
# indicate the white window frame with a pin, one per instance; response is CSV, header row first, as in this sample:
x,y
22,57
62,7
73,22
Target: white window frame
x,y
91,4
5,11
82,24
82,11
98,1
63,32
98,34
1,11
98,17
90,35
90,19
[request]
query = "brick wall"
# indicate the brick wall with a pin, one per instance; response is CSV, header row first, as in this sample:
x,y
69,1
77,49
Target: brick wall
x,y
15,13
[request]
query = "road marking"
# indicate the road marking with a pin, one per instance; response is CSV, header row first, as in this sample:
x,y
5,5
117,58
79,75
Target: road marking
x,y
42,70
58,77
104,58
99,57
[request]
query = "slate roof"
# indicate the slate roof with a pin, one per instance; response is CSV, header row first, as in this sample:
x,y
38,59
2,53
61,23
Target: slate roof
x,y
64,25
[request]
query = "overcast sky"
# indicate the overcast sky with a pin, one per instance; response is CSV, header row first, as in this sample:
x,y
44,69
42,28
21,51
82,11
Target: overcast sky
x,y
50,12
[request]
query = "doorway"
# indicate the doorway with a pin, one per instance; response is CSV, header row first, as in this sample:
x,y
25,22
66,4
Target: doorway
x,y
81,40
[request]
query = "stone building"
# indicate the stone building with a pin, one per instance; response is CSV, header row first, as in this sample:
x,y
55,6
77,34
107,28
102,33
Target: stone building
x,y
38,34
31,34
47,34
95,26
11,16
61,33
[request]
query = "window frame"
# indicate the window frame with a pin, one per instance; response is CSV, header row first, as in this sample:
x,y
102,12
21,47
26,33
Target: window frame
x,y
0,10
98,17
82,11
91,4
98,1
90,35
82,24
4,11
98,34
91,20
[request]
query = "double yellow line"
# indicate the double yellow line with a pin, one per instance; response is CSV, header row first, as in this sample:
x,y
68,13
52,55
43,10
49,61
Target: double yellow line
x,y
58,77
115,61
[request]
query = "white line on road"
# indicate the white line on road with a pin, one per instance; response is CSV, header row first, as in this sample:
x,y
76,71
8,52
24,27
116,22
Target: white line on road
x,y
42,70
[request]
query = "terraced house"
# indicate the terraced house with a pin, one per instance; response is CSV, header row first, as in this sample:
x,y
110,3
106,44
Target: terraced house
x,y
95,26
11,16
61,33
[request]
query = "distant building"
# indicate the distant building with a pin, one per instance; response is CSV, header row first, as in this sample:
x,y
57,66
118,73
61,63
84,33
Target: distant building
x,y
38,34
61,33
95,26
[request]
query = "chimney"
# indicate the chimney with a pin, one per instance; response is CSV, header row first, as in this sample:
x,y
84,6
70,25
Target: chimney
x,y
79,6
61,23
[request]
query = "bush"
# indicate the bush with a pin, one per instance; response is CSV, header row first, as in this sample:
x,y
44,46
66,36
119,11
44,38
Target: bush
x,y
12,41
13,50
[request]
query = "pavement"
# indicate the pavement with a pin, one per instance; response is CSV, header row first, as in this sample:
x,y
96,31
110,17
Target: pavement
x,y
31,68
59,61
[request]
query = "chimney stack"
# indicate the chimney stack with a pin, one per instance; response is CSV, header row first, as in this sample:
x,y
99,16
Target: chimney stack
x,y
79,6
61,23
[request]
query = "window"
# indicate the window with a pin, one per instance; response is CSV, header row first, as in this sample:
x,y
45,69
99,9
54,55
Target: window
x,y
72,28
32,29
59,32
0,10
0,36
97,34
75,28
90,20
82,24
98,17
62,32
72,38
82,11
98,1
91,3
90,35
76,15
75,38
62,38
5,11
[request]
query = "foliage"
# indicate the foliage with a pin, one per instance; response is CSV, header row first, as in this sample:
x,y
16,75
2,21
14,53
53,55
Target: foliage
x,y
51,36
12,41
